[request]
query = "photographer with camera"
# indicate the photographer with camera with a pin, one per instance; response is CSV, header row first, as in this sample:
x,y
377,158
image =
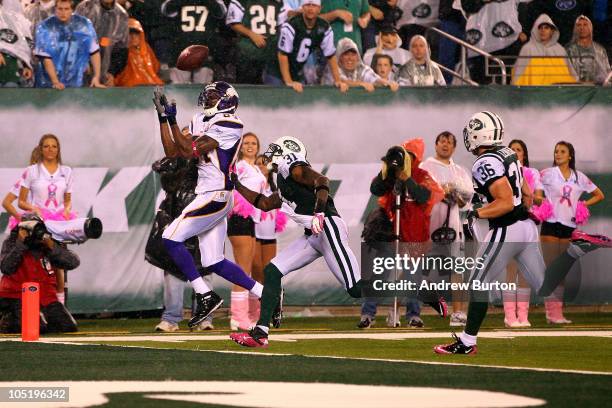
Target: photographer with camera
x,y
30,254
419,192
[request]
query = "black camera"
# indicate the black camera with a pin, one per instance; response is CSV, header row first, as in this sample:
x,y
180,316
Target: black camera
x,y
37,231
395,158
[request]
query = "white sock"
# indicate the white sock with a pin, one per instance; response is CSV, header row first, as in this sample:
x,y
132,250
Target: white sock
x,y
200,286
468,339
61,297
257,290
264,328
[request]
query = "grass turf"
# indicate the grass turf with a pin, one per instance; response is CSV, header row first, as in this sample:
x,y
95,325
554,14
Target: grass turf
x,y
567,353
85,362
344,323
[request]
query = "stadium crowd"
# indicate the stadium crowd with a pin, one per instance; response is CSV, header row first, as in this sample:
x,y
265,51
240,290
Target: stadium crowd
x,y
102,43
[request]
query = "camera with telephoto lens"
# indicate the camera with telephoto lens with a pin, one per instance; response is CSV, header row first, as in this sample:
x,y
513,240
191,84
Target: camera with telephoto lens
x,y
74,231
394,159
36,228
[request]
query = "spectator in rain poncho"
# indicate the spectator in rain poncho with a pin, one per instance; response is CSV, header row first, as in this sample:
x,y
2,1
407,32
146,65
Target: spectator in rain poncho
x,y
389,43
420,70
65,44
142,65
353,71
39,11
15,47
543,61
589,59
110,21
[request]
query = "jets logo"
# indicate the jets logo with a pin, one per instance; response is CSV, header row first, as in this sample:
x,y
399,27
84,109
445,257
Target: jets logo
x,y
7,35
473,36
502,30
475,124
565,5
421,11
291,145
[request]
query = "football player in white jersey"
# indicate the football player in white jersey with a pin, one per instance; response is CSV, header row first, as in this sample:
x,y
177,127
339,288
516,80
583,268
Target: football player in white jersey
x,y
303,194
215,138
497,175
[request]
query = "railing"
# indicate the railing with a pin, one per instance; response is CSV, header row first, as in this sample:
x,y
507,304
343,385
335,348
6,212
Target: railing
x,y
464,75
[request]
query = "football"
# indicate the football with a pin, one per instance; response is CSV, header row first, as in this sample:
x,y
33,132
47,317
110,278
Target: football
x,y
192,57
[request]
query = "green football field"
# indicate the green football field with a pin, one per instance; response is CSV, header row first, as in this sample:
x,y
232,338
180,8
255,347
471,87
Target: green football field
x,y
319,362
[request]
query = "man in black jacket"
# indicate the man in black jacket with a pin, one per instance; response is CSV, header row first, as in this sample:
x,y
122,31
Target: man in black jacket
x,y
30,255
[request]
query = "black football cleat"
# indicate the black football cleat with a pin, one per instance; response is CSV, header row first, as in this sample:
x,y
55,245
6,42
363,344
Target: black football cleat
x,y
206,303
455,348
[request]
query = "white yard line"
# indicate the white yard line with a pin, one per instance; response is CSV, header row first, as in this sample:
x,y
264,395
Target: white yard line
x,y
365,335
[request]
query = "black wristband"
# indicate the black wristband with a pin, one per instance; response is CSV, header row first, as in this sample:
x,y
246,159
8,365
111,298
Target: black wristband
x,y
321,187
172,120
162,119
256,202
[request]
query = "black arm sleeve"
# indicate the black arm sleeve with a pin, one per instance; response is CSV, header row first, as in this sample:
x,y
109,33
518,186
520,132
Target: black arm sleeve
x,y
380,187
11,255
419,193
63,258
471,6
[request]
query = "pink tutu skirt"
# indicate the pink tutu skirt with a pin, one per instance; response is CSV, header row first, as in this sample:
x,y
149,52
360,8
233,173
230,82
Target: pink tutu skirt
x,y
57,215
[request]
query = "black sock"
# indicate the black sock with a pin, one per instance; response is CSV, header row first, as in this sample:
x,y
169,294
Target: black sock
x,y
476,314
271,294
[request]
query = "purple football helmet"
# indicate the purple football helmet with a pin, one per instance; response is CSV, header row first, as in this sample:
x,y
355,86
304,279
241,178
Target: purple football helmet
x,y
218,97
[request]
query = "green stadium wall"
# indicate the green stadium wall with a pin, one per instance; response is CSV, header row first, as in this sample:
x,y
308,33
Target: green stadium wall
x,y
111,137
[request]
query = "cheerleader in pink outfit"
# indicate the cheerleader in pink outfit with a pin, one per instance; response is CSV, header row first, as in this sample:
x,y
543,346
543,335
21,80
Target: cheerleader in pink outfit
x,y
516,303
563,186
13,194
241,228
46,189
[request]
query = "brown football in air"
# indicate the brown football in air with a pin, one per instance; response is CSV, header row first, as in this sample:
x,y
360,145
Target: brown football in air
x,y
192,57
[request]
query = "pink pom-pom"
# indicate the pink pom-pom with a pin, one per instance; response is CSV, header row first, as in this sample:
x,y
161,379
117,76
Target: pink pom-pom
x,y
543,211
529,177
281,221
56,215
582,213
46,215
242,207
13,222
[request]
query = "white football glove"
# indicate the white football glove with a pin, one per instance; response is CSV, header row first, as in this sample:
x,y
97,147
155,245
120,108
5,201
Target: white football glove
x,y
318,221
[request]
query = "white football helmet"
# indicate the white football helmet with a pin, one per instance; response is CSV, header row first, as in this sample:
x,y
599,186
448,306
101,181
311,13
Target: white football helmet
x,y
283,146
484,129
